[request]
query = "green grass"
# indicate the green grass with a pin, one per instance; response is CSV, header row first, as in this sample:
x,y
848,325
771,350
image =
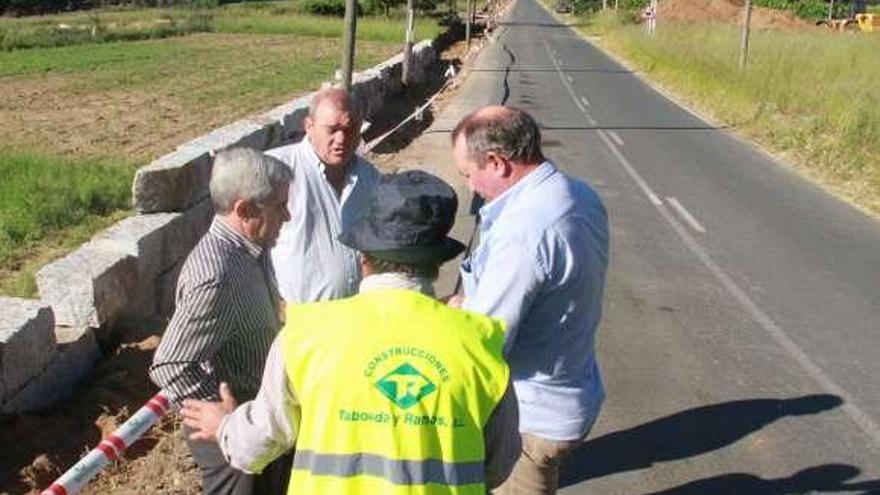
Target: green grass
x,y
369,28
101,26
214,72
812,94
48,205
120,95
44,196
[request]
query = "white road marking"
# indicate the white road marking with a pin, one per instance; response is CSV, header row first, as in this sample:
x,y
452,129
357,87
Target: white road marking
x,y
631,171
585,101
617,139
855,413
686,215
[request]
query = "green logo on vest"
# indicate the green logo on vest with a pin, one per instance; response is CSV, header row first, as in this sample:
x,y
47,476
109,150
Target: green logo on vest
x,y
405,386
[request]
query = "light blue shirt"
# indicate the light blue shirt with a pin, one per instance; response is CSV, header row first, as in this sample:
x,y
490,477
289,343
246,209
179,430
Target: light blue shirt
x,y
540,266
310,263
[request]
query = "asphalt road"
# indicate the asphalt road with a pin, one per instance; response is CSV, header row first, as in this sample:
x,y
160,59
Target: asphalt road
x,y
741,336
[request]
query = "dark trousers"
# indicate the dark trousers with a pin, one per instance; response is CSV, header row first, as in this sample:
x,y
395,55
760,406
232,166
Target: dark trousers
x,y
219,478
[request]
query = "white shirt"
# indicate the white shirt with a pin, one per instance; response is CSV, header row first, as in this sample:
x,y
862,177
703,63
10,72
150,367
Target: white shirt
x,y
540,266
310,263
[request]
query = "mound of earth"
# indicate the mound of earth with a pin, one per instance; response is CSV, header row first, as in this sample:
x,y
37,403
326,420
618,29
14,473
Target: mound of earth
x,y
728,12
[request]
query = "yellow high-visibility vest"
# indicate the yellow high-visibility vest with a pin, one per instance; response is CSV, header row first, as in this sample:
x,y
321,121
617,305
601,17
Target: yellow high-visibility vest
x,y
394,389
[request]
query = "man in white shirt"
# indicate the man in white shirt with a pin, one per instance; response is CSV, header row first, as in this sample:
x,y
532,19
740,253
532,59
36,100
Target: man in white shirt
x,y
330,189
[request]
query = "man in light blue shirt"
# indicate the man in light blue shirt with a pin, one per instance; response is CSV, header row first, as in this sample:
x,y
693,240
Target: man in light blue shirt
x,y
330,189
540,266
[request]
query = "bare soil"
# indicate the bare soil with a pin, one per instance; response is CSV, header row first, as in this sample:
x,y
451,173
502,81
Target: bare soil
x,y
37,448
165,102
727,12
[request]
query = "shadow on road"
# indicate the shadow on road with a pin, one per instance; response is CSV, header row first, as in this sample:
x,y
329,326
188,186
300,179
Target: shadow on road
x,y
824,479
685,434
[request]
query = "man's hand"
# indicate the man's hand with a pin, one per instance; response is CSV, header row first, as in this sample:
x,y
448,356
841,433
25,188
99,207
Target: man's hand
x,y
205,417
455,300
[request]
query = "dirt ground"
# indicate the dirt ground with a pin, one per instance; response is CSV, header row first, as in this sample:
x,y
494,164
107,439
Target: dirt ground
x,y
143,112
37,448
727,11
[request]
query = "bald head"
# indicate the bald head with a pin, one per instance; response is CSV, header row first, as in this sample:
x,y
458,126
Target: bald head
x,y
335,98
333,127
507,131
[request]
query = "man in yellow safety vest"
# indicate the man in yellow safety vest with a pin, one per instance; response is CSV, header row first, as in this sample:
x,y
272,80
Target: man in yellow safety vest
x,y
389,391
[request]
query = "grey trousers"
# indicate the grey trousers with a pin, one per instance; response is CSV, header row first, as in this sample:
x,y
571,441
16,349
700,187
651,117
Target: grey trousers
x,y
219,478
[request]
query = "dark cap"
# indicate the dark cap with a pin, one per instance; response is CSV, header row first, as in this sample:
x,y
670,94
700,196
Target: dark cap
x,y
407,219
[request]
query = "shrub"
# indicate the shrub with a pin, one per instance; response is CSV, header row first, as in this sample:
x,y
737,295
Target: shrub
x,y
325,7
595,5
382,6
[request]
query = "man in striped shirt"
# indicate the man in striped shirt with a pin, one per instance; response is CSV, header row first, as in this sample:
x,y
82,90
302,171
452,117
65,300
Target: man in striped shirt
x,y
228,306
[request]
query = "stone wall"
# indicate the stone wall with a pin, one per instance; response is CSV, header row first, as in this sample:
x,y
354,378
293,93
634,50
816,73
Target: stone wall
x,y
127,274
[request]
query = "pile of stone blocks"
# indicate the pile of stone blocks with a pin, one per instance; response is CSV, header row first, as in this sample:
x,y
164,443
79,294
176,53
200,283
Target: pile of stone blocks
x,y
128,273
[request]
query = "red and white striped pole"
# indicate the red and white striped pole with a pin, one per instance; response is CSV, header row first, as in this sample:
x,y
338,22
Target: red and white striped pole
x,y
110,448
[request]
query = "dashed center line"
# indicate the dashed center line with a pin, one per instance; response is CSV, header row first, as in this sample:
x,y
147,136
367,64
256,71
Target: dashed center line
x,y
685,215
655,200
617,139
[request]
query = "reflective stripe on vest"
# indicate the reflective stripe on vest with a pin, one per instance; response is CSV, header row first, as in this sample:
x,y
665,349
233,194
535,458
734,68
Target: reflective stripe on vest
x,y
399,472
395,389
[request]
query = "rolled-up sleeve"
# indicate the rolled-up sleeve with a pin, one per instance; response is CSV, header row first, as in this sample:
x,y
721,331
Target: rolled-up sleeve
x,y
259,431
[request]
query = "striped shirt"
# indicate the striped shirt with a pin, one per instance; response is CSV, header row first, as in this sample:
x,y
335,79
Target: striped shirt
x,y
225,321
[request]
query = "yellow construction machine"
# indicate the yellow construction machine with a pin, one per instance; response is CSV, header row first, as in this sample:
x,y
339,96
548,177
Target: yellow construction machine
x,y
858,18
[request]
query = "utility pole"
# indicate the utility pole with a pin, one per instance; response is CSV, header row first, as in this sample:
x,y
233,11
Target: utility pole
x,y
744,45
348,39
651,18
406,76
467,24
831,10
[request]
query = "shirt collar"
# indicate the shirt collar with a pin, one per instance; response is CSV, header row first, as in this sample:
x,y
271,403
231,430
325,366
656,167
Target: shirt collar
x,y
223,230
352,169
490,212
396,281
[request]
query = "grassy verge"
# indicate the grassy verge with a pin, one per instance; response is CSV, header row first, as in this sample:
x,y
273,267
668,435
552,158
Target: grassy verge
x,y
811,95
54,203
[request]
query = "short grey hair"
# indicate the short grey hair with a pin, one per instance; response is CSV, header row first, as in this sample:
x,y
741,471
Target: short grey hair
x,y
243,173
508,131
